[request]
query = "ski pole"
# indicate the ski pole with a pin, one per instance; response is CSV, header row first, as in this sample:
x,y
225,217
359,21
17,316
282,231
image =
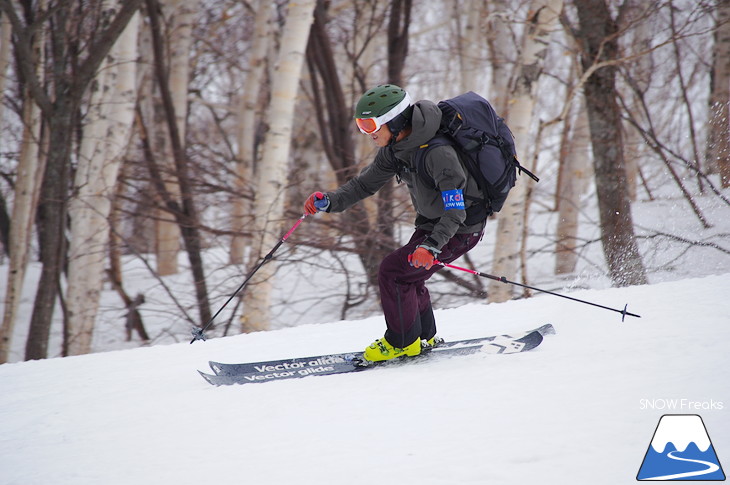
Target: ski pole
x,y
505,280
198,333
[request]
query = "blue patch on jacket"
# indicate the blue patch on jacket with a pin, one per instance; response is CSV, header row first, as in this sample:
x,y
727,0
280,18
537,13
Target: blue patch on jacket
x,y
453,199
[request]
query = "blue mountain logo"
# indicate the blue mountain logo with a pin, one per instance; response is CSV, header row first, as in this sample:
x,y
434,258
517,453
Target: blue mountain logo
x,y
681,450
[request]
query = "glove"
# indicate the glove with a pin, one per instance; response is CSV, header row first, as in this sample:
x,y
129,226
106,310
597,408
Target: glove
x,y
317,202
423,256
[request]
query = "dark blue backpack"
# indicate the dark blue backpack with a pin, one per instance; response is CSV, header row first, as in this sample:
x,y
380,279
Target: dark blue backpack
x,y
486,147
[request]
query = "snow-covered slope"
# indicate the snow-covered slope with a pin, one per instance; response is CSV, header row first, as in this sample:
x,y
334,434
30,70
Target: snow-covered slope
x,y
581,409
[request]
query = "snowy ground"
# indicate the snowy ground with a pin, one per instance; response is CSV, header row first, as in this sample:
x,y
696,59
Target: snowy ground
x,y
577,410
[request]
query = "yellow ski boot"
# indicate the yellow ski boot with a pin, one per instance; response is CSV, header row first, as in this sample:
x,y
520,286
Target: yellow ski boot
x,y
381,350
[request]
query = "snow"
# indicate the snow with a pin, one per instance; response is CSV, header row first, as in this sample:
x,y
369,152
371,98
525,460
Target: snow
x,y
580,409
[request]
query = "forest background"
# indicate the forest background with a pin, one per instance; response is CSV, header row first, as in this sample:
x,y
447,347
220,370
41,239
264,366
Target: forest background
x,y
175,141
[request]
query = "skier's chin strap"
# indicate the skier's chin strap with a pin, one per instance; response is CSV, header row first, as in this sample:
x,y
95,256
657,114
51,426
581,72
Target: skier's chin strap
x,y
398,124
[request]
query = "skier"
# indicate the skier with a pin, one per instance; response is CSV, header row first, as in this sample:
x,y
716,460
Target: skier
x,y
399,128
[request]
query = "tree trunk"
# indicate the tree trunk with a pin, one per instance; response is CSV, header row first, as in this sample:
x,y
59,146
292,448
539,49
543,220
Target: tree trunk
x,y
104,143
272,175
242,216
543,19
470,45
52,210
718,137
597,34
115,224
179,17
640,73
502,55
167,230
51,227
6,35
572,183
186,213
31,165
6,31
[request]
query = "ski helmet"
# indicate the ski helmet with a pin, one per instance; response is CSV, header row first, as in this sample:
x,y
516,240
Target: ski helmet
x,y
379,106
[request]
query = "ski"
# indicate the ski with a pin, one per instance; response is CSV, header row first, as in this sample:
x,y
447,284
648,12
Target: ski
x,y
227,374
298,362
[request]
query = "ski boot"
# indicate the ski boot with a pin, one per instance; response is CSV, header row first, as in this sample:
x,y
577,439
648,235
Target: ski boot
x,y
381,350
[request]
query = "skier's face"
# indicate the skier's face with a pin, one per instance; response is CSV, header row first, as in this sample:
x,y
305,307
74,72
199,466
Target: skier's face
x,y
382,136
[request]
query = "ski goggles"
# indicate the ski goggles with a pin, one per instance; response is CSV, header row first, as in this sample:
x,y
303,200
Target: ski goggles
x,y
368,126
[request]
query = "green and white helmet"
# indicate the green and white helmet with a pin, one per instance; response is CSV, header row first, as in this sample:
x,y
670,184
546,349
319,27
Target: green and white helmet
x,y
380,105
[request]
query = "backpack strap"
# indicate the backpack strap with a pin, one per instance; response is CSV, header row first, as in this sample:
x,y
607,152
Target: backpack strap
x,y
508,155
420,157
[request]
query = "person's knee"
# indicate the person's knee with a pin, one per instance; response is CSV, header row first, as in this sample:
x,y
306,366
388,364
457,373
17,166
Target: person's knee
x,y
389,267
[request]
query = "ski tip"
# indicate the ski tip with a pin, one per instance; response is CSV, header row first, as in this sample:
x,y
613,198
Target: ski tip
x,y
531,340
208,377
215,367
547,329
509,345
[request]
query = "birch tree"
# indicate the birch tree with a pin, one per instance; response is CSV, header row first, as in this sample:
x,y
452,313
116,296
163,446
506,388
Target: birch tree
x,y
639,73
31,164
241,211
105,137
6,31
573,176
5,58
272,174
469,45
542,20
179,17
502,54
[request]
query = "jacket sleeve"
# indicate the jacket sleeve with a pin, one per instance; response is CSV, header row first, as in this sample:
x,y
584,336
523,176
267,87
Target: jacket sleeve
x,y
368,182
443,165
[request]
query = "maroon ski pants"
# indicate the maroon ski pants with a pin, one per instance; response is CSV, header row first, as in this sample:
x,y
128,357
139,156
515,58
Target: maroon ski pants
x,y
403,293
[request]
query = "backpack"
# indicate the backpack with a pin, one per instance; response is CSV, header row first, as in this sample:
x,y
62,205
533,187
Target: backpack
x,y
485,145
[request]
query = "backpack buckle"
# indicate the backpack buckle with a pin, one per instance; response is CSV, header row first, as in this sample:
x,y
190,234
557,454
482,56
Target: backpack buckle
x,y
454,125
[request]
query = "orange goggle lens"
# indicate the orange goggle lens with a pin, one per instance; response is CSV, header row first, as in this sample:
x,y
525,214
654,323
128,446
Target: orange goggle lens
x,y
367,125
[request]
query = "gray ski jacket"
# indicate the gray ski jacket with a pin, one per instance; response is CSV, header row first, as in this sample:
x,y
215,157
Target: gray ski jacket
x,y
441,210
